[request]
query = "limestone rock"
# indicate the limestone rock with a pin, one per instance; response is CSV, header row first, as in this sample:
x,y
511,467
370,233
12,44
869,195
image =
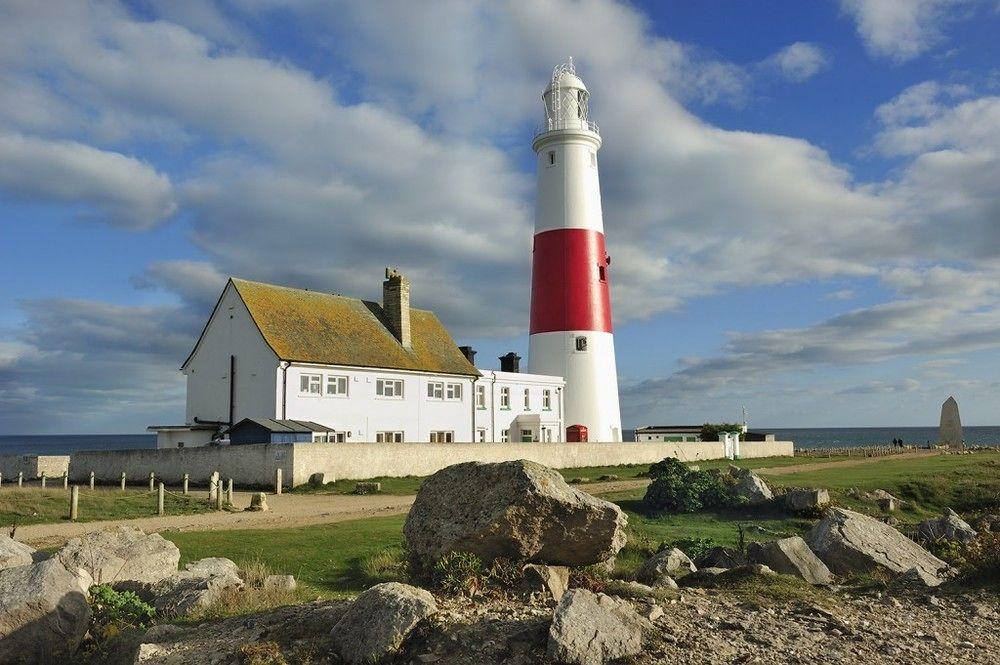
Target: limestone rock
x,y
801,500
947,527
916,577
258,502
280,582
849,542
43,613
553,580
721,557
950,430
750,486
13,553
664,564
517,510
376,624
120,555
201,583
592,629
791,556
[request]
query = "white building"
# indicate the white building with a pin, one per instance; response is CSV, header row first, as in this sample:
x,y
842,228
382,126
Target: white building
x,y
367,371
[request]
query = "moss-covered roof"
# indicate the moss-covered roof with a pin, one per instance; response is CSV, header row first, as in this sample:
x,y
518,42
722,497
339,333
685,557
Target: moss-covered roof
x,y
315,327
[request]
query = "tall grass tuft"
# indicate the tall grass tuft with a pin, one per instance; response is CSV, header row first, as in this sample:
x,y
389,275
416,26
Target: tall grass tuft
x,y
253,597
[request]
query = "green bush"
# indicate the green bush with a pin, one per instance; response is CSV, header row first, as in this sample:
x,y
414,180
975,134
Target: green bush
x,y
115,611
693,547
678,489
459,573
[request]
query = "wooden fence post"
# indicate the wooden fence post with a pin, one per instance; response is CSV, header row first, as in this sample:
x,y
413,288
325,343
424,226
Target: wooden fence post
x,y
1,480
123,481
213,485
218,498
160,492
20,478
43,480
74,503
65,479
229,491
91,480
277,481
185,483
152,478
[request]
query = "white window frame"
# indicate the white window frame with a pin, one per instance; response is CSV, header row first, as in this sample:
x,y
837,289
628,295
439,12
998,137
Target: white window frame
x,y
389,437
546,399
395,393
311,380
443,437
527,434
337,379
481,434
505,436
435,390
480,397
453,392
505,398
527,399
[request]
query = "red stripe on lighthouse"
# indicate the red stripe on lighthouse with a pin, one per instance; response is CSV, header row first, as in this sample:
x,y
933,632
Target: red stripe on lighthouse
x,y
569,284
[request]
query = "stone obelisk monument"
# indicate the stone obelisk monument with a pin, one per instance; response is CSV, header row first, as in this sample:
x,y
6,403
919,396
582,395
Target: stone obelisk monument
x,y
950,432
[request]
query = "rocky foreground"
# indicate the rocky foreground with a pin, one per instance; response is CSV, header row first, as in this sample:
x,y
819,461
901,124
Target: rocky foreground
x,y
513,566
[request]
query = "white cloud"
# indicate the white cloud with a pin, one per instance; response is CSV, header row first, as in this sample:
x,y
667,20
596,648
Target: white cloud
x,y
903,29
798,62
125,191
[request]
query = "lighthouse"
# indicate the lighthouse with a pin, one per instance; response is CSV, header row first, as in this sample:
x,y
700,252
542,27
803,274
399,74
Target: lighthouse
x,y
571,334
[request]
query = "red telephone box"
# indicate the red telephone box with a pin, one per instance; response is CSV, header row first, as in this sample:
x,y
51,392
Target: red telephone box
x,y
576,434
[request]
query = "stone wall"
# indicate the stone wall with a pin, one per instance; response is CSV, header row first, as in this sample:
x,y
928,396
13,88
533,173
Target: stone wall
x,y
256,464
32,466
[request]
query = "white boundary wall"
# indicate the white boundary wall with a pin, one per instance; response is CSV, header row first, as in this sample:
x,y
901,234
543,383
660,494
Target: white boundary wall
x,y
256,464
32,466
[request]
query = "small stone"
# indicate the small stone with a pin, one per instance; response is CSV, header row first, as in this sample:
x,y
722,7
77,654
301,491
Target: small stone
x,y
375,624
258,502
592,629
553,580
664,564
280,583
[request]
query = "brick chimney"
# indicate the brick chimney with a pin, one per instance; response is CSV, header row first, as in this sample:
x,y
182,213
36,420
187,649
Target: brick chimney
x,y
396,304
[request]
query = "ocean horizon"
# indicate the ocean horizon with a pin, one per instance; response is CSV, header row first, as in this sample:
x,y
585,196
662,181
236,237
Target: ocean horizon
x,y
803,437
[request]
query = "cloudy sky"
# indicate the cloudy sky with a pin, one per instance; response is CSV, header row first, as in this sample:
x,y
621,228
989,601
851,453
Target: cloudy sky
x,y
802,199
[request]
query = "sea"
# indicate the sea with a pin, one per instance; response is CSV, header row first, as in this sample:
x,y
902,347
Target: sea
x,y
824,437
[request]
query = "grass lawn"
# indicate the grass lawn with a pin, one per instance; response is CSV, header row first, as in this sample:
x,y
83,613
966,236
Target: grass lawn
x,y
324,557
37,506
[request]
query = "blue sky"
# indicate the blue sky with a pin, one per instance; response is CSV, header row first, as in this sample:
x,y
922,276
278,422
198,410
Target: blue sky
x,y
801,198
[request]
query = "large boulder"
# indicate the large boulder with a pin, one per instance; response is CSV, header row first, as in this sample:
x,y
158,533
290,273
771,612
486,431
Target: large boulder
x,y
592,628
13,553
519,510
947,527
44,613
125,554
749,486
665,564
791,556
806,500
199,585
849,542
376,624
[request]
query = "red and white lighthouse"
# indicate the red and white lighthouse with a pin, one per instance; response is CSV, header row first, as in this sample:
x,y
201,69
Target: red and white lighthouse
x,y
571,333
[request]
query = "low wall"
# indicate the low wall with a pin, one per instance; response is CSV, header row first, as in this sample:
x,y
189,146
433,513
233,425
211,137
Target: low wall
x,y
32,466
368,460
246,465
256,464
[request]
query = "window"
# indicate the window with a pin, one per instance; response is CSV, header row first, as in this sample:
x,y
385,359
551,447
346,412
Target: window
x,y
505,398
311,384
581,343
552,157
547,399
480,397
336,385
338,437
602,273
391,388
453,391
442,437
526,436
481,434
593,158
527,400
505,436
388,437
435,390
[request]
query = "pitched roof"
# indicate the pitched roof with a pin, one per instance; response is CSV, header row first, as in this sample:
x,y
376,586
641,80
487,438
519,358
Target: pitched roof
x,y
327,329
283,425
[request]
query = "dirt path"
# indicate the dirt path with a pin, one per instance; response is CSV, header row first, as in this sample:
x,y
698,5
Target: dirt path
x,y
293,510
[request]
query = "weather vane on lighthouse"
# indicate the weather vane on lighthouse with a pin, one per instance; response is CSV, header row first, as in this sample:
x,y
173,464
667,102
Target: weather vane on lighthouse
x,y
571,334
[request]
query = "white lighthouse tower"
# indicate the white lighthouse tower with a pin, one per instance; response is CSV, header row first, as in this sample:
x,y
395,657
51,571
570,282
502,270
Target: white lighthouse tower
x,y
571,333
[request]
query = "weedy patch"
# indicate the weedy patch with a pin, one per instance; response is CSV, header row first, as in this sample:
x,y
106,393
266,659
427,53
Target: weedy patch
x,y
252,598
388,565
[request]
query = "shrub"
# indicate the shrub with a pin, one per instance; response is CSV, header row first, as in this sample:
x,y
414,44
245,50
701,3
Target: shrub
x,y
115,611
693,547
589,578
678,489
261,653
982,558
459,573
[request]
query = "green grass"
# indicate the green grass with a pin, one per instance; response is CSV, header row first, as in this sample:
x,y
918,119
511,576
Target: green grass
x,y
38,506
325,557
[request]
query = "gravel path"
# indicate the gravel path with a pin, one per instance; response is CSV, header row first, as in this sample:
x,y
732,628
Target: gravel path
x,y
292,510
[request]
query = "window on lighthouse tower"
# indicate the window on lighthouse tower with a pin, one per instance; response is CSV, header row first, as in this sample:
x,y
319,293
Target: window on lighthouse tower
x,y
552,158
